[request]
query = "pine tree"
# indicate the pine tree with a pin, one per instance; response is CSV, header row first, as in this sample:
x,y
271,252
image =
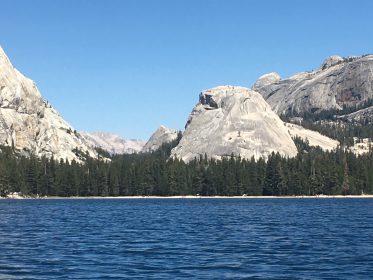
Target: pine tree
x,y
32,176
273,183
346,181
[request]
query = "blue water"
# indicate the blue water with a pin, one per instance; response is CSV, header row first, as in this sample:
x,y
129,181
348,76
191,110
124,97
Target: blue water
x,y
187,239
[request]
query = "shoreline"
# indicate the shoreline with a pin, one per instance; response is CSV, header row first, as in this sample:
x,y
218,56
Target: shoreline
x,y
16,196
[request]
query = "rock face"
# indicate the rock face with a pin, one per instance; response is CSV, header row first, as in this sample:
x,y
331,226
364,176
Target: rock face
x,y
160,136
112,143
364,115
236,120
338,82
30,124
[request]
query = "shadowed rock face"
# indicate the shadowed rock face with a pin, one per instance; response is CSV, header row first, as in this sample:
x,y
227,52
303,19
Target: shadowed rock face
x,y
233,120
365,115
339,82
30,124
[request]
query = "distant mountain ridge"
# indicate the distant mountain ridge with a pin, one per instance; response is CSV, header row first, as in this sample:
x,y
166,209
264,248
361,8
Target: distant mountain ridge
x,y
112,143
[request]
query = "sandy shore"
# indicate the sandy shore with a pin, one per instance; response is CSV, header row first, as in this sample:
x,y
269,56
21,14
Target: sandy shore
x,y
193,197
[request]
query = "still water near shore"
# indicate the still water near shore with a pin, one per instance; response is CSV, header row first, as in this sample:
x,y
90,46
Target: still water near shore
x,y
186,238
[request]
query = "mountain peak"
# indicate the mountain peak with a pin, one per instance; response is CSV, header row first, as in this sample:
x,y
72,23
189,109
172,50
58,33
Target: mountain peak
x,y
30,124
267,79
331,61
164,128
233,120
161,136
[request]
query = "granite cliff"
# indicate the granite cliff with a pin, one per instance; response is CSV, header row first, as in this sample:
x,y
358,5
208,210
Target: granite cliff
x,y
337,83
233,120
30,124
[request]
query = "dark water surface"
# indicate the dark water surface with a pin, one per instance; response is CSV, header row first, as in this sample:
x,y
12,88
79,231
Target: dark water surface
x,y
187,238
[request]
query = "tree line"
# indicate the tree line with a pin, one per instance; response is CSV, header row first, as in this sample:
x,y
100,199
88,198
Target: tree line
x,y
311,172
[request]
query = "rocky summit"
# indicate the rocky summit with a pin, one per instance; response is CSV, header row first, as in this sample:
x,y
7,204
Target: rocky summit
x,y
161,136
337,83
29,124
233,120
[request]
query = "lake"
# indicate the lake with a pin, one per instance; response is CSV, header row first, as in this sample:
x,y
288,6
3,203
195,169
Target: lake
x,y
186,239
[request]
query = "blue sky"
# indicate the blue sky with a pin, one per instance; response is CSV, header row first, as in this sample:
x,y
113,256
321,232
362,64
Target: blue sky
x,y
129,66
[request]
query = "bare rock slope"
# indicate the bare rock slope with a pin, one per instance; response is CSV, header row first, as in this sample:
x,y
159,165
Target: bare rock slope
x,y
30,124
363,115
233,120
159,137
313,138
338,82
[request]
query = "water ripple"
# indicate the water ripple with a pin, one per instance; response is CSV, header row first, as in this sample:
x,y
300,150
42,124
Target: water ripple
x,y
183,239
